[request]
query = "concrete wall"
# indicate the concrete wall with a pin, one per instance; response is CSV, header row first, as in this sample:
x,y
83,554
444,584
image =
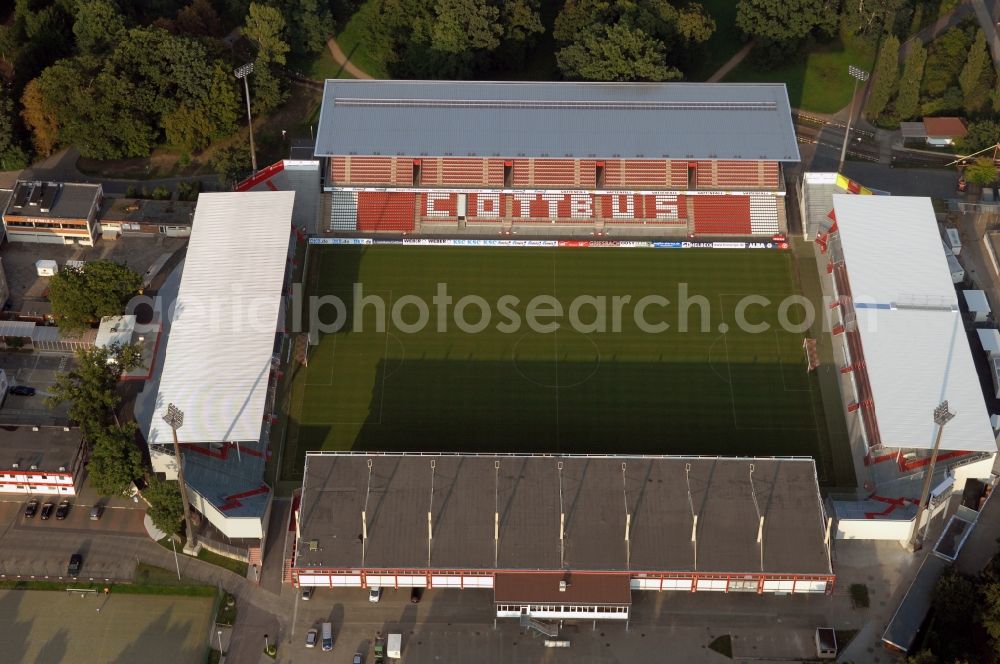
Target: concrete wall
x,y
232,527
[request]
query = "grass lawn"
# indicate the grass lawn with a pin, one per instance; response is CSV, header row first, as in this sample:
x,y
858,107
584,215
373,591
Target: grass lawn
x,y
235,566
724,42
353,41
323,66
818,80
625,391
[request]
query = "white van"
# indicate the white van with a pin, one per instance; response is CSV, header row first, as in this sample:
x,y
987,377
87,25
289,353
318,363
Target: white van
x,y
326,632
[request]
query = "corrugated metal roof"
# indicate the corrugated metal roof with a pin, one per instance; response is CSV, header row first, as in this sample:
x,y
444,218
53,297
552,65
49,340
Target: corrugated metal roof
x,y
913,129
567,119
467,489
220,345
916,351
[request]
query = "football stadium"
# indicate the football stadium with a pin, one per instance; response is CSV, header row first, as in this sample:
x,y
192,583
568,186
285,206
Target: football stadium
x,y
658,246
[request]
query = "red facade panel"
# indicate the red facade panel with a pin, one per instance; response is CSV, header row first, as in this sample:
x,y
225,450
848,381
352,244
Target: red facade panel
x,y
772,175
402,171
369,170
705,178
738,174
468,171
386,211
554,172
338,169
641,173
678,174
613,173
430,171
494,175
521,174
588,174
722,215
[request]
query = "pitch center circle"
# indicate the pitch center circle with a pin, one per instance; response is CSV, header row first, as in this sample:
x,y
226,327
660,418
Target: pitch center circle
x,y
558,360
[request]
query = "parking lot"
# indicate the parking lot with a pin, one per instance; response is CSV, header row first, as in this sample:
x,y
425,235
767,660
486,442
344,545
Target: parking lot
x,y
37,370
41,549
458,626
53,627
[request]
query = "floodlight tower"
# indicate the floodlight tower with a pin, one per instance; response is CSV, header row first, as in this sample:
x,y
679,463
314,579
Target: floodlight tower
x,y
859,75
941,417
243,72
175,418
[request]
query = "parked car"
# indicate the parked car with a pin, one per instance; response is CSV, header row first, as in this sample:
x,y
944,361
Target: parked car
x,y
47,510
358,659
75,563
311,637
416,594
30,508
62,510
23,391
95,512
375,593
327,629
307,594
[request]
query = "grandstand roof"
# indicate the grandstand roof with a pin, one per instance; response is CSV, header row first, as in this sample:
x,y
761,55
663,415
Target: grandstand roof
x,y
915,347
566,119
594,495
300,176
221,340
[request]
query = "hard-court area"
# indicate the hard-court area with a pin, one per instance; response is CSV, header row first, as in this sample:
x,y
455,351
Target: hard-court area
x,y
50,627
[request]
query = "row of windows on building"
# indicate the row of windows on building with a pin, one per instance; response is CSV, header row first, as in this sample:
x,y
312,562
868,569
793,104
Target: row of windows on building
x,y
560,608
47,224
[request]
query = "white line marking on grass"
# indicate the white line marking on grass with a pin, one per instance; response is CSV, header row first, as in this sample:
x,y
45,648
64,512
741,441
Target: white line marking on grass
x,y
555,342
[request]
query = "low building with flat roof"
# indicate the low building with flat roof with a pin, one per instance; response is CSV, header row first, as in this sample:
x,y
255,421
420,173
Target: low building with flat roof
x,y
53,212
42,460
644,523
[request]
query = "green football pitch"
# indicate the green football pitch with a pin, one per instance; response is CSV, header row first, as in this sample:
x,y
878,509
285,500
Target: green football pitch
x,y
511,388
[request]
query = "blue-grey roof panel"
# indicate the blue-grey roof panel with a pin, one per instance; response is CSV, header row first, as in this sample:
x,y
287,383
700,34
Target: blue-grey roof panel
x,y
569,119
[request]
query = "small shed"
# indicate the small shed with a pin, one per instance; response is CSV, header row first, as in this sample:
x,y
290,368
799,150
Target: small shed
x,y
954,240
944,131
956,269
979,307
990,339
46,268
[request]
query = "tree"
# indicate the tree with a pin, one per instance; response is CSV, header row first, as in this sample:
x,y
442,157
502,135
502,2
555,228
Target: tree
x,y
265,26
190,129
945,59
870,19
42,121
199,19
232,162
628,41
265,89
114,460
615,53
466,25
166,509
81,296
98,26
12,155
980,135
908,99
785,22
90,387
981,172
976,79
886,78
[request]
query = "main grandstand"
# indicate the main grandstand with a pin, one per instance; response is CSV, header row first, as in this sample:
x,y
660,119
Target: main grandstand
x,y
561,537
654,159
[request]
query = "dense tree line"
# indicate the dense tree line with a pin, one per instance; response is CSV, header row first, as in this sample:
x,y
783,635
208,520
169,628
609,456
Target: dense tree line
x,y
117,79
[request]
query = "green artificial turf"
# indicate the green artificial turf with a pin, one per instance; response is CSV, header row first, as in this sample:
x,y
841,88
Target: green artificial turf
x,y
694,392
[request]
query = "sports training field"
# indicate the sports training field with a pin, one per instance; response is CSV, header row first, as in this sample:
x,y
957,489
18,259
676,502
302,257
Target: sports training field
x,y
518,390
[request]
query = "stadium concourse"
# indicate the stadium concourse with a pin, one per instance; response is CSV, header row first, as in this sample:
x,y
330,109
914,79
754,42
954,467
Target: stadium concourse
x,y
561,536
652,159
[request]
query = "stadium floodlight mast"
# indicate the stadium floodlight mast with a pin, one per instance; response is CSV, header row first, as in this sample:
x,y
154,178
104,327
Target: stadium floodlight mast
x,y
941,417
243,72
859,75
175,418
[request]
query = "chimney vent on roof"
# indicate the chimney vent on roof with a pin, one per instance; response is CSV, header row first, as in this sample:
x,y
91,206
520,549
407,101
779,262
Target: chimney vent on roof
x,y
62,469
314,545
34,467
15,466
562,586
34,428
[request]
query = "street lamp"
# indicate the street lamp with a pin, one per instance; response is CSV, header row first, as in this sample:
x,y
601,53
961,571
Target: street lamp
x,y
175,418
244,72
941,417
858,75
